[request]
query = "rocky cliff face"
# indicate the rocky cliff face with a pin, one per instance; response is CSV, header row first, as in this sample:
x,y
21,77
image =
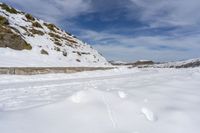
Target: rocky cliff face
x,y
28,41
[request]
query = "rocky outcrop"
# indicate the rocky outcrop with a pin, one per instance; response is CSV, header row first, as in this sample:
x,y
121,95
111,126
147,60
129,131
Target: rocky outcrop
x,y
189,65
8,37
177,64
44,52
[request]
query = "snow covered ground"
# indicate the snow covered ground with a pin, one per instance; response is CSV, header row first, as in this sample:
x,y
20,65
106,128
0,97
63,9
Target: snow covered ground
x,y
114,101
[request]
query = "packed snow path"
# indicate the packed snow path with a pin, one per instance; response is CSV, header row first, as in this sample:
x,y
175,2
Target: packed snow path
x,y
112,101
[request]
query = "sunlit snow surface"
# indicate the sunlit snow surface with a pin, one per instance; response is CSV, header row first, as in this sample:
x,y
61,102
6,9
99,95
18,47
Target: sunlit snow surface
x,y
114,101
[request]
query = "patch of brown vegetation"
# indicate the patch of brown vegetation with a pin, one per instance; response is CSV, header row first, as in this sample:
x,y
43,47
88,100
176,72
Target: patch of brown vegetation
x,y
58,43
8,9
36,24
51,27
15,30
58,37
3,21
30,17
55,36
26,31
70,40
38,32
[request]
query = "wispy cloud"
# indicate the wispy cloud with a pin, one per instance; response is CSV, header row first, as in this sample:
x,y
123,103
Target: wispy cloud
x,y
169,12
159,48
52,10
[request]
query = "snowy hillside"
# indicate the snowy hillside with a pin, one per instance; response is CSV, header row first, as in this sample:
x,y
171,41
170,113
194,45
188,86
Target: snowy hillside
x,y
26,41
176,64
152,100
181,64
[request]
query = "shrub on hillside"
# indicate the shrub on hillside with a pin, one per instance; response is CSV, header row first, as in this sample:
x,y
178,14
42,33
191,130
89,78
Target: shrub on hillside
x,y
8,9
3,21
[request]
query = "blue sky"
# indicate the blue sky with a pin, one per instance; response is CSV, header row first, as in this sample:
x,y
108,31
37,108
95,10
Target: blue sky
x,y
128,30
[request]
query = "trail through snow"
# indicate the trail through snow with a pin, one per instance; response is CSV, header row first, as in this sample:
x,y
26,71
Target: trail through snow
x,y
111,114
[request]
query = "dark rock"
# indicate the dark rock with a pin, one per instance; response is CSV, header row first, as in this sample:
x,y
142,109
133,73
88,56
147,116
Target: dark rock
x,y
12,40
64,53
78,60
44,52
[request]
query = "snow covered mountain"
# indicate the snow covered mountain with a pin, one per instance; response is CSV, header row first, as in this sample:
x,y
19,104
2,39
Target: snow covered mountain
x,y
176,64
134,64
26,41
180,64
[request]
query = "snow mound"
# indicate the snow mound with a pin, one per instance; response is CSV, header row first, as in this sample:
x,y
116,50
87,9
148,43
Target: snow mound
x,y
148,114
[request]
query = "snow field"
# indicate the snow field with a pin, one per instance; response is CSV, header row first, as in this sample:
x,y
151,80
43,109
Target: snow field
x,y
112,101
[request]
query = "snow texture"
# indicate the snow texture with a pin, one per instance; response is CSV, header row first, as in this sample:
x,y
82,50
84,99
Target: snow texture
x,y
149,100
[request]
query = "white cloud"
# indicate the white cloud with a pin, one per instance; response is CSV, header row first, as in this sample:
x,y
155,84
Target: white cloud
x,y
156,48
53,10
124,53
169,12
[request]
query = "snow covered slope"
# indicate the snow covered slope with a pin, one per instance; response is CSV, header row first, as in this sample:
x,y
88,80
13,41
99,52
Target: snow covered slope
x,y
191,63
40,43
180,64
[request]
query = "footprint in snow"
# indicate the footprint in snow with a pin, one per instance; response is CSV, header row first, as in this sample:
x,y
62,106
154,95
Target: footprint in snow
x,y
149,114
122,94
